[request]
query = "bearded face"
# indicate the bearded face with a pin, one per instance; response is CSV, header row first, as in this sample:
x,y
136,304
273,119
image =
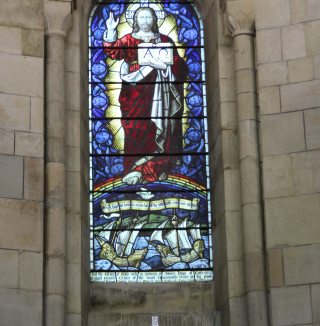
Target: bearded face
x,y
145,20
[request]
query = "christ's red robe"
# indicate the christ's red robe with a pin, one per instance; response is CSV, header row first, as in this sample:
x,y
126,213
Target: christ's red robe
x,y
136,102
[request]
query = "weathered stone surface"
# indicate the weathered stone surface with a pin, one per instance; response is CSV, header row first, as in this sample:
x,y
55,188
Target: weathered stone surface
x,y
300,70
269,45
291,305
275,267
257,301
11,176
19,71
301,264
31,270
226,61
272,13
254,264
18,13
10,40
14,112
238,311
284,216
304,10
19,307
298,10
300,96
282,133
33,178
228,90
312,125
273,74
315,296
73,278
21,224
317,66
248,103
132,319
72,58
9,267
293,42
33,42
306,172
37,115
245,81
6,142
29,144
269,98
236,278
312,37
278,176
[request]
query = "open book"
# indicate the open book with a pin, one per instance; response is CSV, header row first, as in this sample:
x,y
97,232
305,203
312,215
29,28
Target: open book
x,y
160,51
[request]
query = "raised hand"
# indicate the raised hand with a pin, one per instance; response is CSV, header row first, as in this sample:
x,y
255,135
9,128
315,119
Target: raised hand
x,y
111,23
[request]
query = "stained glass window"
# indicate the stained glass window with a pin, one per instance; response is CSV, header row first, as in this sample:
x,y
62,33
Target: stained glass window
x,y
150,215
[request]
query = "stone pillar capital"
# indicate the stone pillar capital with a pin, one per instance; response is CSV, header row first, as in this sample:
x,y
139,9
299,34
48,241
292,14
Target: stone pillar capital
x,y
239,18
57,16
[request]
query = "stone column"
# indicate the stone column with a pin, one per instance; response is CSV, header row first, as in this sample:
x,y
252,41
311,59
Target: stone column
x,y
57,18
239,18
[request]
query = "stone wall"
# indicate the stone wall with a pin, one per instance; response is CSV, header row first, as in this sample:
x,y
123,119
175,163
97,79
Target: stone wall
x,y
288,56
263,88
21,162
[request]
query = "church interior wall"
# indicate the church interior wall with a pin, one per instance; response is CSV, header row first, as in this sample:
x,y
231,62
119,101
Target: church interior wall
x,y
41,277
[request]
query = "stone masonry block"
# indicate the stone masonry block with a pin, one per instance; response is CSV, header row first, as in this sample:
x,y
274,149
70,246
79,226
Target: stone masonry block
x,y
33,42
14,112
306,172
293,42
9,268
11,176
273,74
300,96
31,270
269,45
6,142
269,98
315,296
272,13
73,303
254,271
33,178
22,13
298,10
21,224
312,126
275,267
29,144
291,305
282,133
317,66
284,216
301,265
236,278
19,71
37,115
300,70
18,307
312,37
278,176
10,40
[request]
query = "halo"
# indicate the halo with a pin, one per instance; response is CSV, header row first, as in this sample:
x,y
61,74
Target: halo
x,y
158,9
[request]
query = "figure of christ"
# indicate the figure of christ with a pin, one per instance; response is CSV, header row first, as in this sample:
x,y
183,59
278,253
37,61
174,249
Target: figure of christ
x,y
147,91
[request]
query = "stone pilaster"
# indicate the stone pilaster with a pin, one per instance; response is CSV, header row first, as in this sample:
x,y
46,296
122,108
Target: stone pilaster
x,y
239,24
57,20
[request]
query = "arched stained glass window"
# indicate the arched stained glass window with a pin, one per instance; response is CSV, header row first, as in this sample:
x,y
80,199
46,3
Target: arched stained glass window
x,y
149,174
